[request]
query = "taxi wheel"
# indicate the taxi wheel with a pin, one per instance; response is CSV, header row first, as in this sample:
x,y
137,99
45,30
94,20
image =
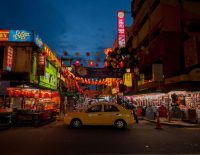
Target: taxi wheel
x,y
120,124
76,123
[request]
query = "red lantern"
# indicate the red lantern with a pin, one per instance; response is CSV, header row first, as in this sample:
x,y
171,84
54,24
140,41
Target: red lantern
x,y
87,54
97,65
40,95
121,64
106,64
77,54
65,53
90,63
77,62
10,93
98,60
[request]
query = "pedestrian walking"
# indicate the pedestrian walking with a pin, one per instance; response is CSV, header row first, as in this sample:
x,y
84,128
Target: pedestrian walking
x,y
135,115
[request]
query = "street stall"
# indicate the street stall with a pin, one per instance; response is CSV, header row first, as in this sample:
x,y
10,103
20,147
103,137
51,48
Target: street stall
x,y
148,104
182,105
33,106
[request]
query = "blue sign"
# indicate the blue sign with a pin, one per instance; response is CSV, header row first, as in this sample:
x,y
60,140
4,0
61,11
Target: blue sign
x,y
38,41
20,36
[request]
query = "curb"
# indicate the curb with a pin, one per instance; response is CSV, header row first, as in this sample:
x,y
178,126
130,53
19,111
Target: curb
x,y
175,125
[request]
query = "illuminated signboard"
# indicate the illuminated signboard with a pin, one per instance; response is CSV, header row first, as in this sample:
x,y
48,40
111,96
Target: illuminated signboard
x,y
8,59
121,29
49,53
49,80
38,41
20,36
41,62
4,35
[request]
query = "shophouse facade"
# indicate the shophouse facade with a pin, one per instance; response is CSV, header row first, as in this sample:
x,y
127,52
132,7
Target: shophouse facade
x,y
167,31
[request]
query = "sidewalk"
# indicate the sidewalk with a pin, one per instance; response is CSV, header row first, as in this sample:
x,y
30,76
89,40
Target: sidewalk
x,y
176,123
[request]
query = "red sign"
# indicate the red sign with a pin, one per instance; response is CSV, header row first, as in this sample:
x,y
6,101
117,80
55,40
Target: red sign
x,y
121,29
4,35
41,64
9,58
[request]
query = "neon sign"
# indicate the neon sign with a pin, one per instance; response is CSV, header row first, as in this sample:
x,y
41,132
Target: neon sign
x,y
4,34
20,36
9,58
49,53
121,29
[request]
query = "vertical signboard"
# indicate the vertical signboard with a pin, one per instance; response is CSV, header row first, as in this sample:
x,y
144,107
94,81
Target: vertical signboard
x,y
4,35
8,59
38,41
121,29
49,80
41,62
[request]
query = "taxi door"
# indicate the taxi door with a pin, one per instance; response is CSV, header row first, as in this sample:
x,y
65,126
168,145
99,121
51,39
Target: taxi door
x,y
93,115
111,114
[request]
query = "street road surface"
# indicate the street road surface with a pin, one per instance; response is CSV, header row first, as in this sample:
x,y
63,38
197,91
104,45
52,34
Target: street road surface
x,y
57,139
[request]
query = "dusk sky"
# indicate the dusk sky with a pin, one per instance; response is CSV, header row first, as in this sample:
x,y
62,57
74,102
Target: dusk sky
x,y
67,25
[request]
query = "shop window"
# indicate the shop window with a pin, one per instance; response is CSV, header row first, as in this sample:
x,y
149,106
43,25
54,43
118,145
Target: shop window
x,y
96,108
154,5
110,108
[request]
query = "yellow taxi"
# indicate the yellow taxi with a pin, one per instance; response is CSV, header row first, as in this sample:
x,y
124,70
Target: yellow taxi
x,y
101,114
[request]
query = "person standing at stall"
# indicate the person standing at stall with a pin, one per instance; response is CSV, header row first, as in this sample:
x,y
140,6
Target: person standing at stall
x,y
134,110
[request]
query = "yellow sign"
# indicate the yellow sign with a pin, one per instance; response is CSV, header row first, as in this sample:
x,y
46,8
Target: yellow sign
x,y
127,78
50,54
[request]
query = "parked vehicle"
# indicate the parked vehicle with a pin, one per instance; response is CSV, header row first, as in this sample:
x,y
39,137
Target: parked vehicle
x,y
102,113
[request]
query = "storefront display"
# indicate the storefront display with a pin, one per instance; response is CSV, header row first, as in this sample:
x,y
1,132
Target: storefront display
x,y
181,105
34,105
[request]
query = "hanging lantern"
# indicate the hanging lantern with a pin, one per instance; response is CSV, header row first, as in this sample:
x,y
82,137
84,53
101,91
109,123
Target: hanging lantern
x,y
98,60
90,63
114,65
10,92
97,65
106,64
40,95
107,51
65,53
97,54
77,63
66,72
121,64
87,54
69,76
77,54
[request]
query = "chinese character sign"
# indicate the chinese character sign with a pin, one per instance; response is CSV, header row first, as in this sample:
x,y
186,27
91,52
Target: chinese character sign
x,y
9,58
121,29
41,63
4,34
